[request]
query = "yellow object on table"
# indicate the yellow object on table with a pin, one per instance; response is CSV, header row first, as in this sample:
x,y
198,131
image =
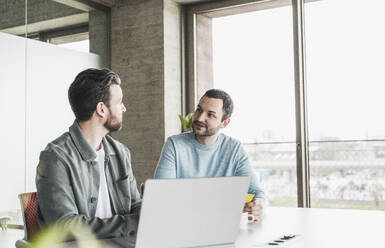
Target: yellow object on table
x,y
249,198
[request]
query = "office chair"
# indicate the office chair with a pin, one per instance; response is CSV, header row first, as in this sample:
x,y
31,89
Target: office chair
x,y
29,210
141,190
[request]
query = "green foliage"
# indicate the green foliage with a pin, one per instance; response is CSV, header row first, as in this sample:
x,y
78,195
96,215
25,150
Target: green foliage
x,y
186,122
55,234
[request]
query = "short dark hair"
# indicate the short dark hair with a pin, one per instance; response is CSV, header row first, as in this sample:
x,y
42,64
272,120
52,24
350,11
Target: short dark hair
x,y
90,87
228,105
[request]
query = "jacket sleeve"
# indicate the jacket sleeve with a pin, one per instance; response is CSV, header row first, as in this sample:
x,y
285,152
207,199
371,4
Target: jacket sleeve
x,y
136,200
166,167
57,204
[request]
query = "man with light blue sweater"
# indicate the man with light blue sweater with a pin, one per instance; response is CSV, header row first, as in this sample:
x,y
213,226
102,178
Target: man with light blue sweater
x,y
205,152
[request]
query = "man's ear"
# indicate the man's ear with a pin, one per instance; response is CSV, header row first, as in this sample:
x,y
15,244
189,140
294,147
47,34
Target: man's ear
x,y
101,110
225,122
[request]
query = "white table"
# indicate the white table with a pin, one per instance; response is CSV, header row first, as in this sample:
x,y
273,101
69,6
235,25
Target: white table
x,y
8,237
318,228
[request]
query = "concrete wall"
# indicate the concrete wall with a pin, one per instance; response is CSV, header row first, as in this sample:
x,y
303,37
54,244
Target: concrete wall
x,y
13,12
142,58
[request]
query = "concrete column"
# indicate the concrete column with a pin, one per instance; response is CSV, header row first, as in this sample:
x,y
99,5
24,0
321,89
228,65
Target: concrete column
x,y
98,24
144,52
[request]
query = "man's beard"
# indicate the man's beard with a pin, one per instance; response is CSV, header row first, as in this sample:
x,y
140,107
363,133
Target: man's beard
x,y
207,132
112,124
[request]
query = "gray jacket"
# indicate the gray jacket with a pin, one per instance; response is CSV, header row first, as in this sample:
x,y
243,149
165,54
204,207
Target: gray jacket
x,y
67,182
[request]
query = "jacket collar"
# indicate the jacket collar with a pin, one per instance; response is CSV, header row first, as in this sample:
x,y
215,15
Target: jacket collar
x,y
108,149
82,145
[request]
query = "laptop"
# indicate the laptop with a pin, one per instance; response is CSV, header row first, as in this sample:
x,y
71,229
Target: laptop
x,y
191,212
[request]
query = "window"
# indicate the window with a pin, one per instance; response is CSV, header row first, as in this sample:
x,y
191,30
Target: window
x,y
345,96
256,69
252,60
247,50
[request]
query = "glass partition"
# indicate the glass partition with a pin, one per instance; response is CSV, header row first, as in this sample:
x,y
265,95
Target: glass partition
x,y
50,71
43,46
58,23
58,48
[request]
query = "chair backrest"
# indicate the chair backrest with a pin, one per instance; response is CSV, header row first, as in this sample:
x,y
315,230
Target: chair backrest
x,y
29,209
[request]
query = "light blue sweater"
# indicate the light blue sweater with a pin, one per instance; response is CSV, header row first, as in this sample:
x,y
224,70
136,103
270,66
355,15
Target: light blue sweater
x,y
183,157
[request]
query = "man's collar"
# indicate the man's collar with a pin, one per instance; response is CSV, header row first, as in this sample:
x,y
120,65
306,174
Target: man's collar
x,y
82,145
108,150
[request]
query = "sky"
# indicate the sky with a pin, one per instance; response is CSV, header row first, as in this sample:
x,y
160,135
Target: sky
x,y
345,53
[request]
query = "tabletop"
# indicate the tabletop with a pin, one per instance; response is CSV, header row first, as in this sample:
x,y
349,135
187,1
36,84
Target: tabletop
x,y
313,228
316,228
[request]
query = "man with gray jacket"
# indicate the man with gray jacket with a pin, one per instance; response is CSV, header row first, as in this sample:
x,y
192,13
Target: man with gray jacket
x,y
85,176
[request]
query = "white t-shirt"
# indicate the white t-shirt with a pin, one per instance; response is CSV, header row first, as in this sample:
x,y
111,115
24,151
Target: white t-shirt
x,y
103,208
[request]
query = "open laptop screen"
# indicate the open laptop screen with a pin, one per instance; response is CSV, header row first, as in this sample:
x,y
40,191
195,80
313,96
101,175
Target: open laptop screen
x,y
191,212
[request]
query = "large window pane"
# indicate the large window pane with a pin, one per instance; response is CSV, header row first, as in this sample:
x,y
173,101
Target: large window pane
x,y
253,61
345,58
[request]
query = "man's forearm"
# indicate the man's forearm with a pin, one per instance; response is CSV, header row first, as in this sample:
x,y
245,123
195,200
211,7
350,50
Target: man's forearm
x,y
116,226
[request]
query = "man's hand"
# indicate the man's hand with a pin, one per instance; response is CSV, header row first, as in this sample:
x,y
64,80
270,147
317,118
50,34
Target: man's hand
x,y
255,208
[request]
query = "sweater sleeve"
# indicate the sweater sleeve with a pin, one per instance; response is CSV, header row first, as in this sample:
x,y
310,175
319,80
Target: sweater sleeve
x,y
243,168
166,167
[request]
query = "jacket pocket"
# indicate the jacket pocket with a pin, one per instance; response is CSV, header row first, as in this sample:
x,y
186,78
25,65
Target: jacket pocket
x,y
123,186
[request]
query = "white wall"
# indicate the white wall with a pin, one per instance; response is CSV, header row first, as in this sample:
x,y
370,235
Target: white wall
x,y
12,122
50,70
